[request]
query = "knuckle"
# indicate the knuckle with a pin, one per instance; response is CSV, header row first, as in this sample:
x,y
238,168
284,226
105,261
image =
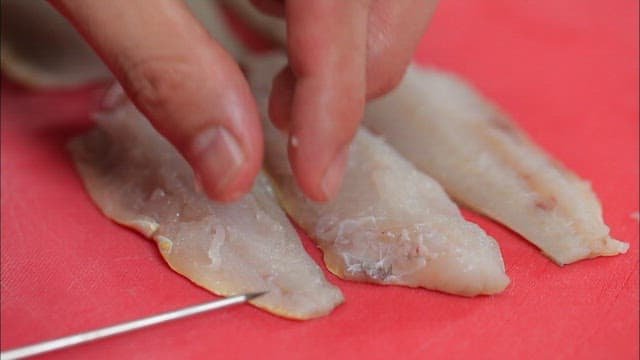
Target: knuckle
x,y
155,85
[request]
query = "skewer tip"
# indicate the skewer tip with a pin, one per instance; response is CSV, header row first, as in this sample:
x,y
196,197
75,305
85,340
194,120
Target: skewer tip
x,y
251,296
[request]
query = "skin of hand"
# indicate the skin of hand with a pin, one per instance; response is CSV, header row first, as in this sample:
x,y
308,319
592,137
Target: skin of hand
x,y
341,53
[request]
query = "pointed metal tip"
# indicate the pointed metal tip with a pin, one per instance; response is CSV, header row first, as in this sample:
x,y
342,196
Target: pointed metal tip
x,y
251,296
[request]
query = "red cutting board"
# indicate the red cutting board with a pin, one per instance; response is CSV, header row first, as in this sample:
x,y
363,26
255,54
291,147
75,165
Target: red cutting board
x,y
567,71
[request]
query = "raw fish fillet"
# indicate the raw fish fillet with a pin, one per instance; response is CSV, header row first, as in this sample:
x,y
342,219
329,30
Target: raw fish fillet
x,y
485,162
139,180
390,224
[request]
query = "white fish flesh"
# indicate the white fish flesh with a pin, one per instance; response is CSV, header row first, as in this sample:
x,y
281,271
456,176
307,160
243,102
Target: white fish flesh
x,y
485,162
390,224
139,180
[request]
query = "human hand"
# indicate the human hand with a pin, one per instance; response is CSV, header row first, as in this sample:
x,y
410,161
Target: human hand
x,y
340,54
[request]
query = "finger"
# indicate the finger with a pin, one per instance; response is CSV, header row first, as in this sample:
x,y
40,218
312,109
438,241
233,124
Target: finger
x,y
280,105
327,53
270,7
183,81
394,30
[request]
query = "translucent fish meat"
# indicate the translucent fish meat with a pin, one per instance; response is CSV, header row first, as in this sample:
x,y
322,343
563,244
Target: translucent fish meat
x,y
485,162
139,180
390,224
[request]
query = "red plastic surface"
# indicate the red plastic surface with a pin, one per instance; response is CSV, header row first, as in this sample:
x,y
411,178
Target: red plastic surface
x,y
567,71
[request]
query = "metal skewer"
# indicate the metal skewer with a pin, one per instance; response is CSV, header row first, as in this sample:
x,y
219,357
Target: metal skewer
x,y
101,333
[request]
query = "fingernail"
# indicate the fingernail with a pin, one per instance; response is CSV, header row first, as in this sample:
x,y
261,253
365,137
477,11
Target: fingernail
x,y
333,176
217,159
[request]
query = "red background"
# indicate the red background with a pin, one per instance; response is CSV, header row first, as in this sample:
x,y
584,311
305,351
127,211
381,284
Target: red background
x,y
567,71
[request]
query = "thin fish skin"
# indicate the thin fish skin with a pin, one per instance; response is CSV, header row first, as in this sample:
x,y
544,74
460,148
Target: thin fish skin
x,y
390,224
139,180
485,162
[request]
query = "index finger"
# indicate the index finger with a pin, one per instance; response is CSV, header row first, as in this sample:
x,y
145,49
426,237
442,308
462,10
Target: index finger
x,y
191,90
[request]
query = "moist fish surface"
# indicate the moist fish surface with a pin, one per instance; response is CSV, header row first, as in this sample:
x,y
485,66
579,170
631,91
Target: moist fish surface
x,y
390,223
139,180
485,162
